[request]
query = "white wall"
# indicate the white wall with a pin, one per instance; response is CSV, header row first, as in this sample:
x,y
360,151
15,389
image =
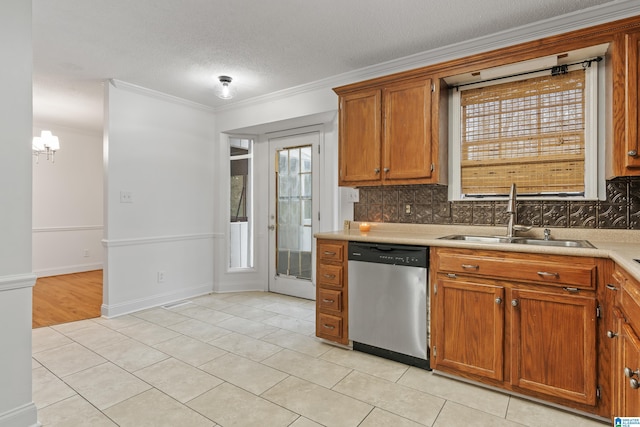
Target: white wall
x,y
67,204
160,150
16,279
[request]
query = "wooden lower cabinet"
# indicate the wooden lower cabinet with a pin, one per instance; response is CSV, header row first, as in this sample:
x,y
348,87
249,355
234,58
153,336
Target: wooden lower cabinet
x,y
553,344
626,349
332,320
469,320
536,338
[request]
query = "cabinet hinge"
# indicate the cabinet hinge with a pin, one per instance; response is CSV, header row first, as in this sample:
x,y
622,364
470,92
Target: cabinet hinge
x,y
318,215
433,167
598,393
435,352
598,312
433,87
435,288
318,149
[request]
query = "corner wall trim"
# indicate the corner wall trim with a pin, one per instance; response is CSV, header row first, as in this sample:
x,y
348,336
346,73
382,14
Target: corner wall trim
x,y
110,243
131,306
25,415
19,281
68,228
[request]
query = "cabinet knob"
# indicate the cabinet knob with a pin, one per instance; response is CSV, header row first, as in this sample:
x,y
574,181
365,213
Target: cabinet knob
x,y
611,334
498,300
386,169
377,170
514,302
630,373
633,153
633,383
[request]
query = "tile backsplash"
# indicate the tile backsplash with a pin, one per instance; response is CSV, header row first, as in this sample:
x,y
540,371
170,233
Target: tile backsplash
x,y
428,204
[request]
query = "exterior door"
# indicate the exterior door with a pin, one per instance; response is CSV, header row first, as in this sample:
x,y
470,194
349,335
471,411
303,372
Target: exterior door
x,y
293,213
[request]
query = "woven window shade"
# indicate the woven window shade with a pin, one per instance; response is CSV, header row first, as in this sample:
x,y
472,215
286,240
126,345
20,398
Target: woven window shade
x,y
529,132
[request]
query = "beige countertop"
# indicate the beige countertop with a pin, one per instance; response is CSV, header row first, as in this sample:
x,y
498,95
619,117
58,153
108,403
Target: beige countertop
x,y
622,246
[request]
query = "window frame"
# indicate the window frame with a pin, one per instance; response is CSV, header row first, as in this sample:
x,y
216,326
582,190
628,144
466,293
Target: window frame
x,y
249,201
594,137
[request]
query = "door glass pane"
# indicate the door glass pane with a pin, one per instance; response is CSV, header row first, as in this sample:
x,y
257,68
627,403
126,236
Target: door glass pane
x,y
294,232
240,228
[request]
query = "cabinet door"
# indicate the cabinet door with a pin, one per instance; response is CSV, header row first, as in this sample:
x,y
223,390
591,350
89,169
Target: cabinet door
x,y
626,370
407,131
554,345
632,95
360,138
468,331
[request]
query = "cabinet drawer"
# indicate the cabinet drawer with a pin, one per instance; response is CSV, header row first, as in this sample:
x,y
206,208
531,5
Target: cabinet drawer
x,y
329,275
331,252
329,325
330,300
556,271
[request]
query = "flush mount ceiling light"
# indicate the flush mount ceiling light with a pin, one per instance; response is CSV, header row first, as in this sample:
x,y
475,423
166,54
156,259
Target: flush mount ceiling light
x,y
225,90
46,144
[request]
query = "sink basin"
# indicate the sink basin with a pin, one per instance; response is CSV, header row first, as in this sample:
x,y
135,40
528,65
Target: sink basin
x,y
477,239
550,242
520,240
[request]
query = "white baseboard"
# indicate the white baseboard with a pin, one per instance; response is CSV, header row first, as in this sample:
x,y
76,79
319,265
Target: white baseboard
x,y
22,416
68,269
120,309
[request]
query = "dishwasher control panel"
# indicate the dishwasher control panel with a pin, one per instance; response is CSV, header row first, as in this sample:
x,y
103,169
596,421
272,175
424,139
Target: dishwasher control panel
x,y
413,256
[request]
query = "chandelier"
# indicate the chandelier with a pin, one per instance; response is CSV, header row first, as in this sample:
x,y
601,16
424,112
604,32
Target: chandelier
x,y
46,144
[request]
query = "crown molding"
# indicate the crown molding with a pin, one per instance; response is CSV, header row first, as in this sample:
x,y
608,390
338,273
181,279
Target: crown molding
x,y
585,18
119,84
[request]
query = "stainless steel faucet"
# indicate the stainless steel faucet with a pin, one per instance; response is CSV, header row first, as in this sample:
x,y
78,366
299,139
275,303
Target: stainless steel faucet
x,y
512,228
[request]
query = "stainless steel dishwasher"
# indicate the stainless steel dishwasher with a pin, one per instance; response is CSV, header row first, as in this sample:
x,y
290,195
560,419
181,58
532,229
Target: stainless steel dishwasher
x,y
388,301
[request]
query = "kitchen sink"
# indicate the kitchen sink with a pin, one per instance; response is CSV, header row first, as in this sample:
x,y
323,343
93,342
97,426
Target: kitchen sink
x,y
520,241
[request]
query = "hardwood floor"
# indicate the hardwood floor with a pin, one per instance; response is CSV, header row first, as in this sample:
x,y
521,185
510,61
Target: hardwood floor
x,y
67,298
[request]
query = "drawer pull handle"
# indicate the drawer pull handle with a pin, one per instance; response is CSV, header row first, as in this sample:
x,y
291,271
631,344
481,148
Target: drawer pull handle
x,y
451,276
329,253
330,276
572,290
328,326
547,274
470,266
611,334
328,301
611,287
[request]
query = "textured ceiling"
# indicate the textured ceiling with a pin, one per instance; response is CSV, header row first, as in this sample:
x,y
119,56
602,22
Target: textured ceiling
x,y
179,47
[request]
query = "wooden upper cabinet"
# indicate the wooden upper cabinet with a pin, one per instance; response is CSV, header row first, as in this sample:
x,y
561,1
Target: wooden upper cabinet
x,y
632,102
360,138
387,133
407,131
623,152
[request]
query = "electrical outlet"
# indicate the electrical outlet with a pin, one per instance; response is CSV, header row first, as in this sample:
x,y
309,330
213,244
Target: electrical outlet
x,y
126,197
85,253
161,276
407,209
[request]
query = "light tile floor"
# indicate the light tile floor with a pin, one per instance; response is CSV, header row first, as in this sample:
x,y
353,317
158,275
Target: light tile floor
x,y
247,359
